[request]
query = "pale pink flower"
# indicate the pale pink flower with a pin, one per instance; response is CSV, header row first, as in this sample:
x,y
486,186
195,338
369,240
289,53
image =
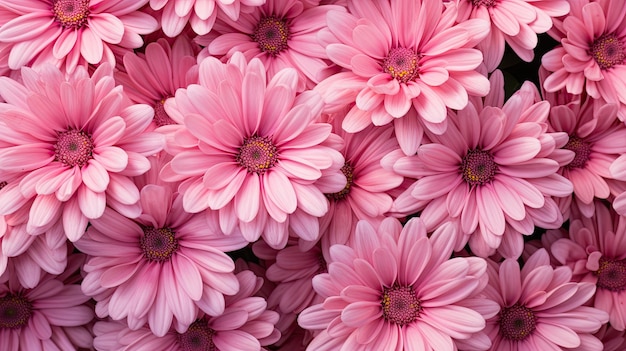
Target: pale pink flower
x,y
401,54
71,32
514,22
161,268
245,325
396,287
591,57
258,155
540,307
73,143
595,250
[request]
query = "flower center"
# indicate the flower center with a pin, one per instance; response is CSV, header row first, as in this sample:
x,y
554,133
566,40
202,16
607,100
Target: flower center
x,y
485,3
581,148
272,34
401,64
15,311
158,244
608,51
517,322
71,13
199,337
611,274
257,154
161,118
73,148
400,304
478,167
348,171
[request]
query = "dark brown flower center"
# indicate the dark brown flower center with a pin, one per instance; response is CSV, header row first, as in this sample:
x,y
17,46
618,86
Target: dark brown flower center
x,y
485,3
199,337
608,51
581,148
161,118
400,304
257,154
611,274
517,322
348,171
71,13
158,244
73,148
272,35
15,311
478,167
402,64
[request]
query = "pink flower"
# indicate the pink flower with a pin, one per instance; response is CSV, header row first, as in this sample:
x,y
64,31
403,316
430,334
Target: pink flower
x,y
400,54
201,14
245,325
71,32
595,250
592,57
492,170
72,143
396,286
258,154
281,33
515,22
160,268
540,308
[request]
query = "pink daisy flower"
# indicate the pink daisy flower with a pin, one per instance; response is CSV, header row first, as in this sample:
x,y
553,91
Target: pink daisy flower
x,y
281,33
396,288
71,32
540,308
258,154
400,54
49,316
73,143
595,250
515,22
160,268
592,57
492,170
245,325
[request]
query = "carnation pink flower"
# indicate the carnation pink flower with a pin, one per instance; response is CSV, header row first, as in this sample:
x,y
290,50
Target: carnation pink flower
x,y
400,54
396,287
258,154
591,58
71,32
160,268
492,170
595,250
72,143
245,325
515,22
540,308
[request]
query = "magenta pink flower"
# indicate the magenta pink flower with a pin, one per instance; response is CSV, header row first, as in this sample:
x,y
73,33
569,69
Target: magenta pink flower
x,y
595,250
540,308
258,154
245,325
71,32
72,143
514,22
396,287
591,58
400,54
161,268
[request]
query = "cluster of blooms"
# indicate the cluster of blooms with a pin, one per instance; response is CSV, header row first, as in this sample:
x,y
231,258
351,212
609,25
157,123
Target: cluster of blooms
x,y
323,175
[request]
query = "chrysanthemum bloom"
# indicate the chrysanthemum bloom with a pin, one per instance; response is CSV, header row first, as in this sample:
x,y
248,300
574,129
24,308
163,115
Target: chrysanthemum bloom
x,y
595,250
400,54
515,22
281,33
74,143
491,168
161,268
245,325
591,58
49,316
540,307
396,288
258,154
71,32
